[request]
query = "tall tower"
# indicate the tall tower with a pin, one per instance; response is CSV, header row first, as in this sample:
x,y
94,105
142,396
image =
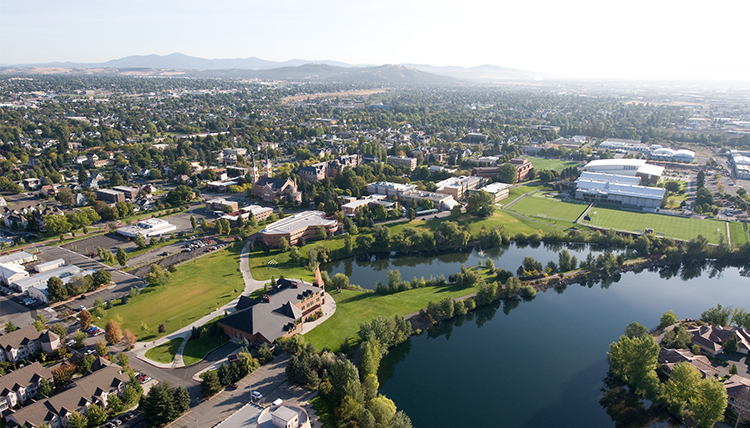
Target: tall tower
x,y
254,172
268,169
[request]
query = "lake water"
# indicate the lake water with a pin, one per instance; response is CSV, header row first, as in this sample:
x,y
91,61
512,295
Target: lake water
x,y
366,273
540,363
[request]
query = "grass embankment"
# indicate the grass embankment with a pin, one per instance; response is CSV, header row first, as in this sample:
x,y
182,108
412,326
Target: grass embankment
x,y
669,226
356,307
165,352
548,208
196,349
550,164
196,289
517,191
738,233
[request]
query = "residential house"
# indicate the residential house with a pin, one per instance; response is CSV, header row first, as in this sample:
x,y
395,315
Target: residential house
x,y
22,384
95,388
671,357
738,393
25,342
712,338
39,216
50,189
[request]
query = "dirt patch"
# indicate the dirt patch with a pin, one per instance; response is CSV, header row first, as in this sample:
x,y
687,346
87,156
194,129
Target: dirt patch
x,y
362,92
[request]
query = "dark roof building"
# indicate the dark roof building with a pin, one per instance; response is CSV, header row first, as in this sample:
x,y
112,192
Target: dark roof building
x,y
281,312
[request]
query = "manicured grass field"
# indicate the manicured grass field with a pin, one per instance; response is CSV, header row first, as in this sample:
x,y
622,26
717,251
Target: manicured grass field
x,y
551,164
515,192
539,205
356,307
165,352
196,289
738,233
196,349
670,226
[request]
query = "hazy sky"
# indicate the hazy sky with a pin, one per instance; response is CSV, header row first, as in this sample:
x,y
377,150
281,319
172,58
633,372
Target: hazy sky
x,y
577,38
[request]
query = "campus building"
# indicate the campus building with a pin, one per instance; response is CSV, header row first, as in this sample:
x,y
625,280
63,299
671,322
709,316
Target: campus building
x,y
618,189
624,145
459,186
110,196
221,204
664,154
24,284
282,311
351,208
648,174
298,226
499,190
523,167
402,161
389,189
130,192
256,211
148,228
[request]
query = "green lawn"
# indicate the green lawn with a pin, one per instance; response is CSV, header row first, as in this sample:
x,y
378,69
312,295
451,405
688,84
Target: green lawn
x,y
546,207
196,349
196,289
355,307
551,164
515,192
738,233
165,352
669,226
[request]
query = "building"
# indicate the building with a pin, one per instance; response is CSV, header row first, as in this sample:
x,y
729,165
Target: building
x,y
270,189
130,192
22,385
148,228
25,342
389,189
19,258
459,186
94,388
48,266
11,272
686,156
711,338
485,171
402,161
671,357
222,205
616,189
314,173
352,207
303,226
738,393
624,145
256,211
499,190
220,186
24,284
523,166
649,174
441,201
475,138
284,417
280,312
110,196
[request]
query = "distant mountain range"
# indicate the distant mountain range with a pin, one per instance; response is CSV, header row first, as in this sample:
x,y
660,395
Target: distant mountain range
x,y
295,69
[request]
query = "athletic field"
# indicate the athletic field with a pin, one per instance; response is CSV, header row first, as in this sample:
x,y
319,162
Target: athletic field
x,y
663,225
541,206
550,164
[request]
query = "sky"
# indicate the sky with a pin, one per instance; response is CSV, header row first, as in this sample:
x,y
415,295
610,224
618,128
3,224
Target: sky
x,y
637,39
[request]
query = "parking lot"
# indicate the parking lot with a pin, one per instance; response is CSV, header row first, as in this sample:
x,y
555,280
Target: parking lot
x,y
177,253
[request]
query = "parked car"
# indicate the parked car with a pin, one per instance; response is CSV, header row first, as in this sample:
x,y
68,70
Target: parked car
x,y
256,395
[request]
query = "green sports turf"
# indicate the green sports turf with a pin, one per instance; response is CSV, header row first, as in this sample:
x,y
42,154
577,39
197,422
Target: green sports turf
x,y
669,226
539,205
550,164
738,233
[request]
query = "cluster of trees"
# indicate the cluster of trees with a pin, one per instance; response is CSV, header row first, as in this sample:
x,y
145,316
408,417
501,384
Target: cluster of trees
x,y
396,284
634,359
78,284
163,404
158,276
353,393
58,224
547,175
214,380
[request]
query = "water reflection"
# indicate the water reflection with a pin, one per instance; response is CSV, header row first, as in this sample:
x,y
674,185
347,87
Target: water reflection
x,y
628,410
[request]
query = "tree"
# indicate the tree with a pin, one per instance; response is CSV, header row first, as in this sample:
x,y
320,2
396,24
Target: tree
x,y
39,323
193,223
65,197
45,388
709,402
123,360
370,360
716,315
102,277
76,420
508,173
179,195
101,348
97,415
158,406
79,336
59,329
56,289
340,281
181,399
383,409
140,241
114,404
122,257
668,319
210,384
481,203
85,318
635,330
113,332
130,338
455,211
634,359
283,245
348,244
157,276
61,375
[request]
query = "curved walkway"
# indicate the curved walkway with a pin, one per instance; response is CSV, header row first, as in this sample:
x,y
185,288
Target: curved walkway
x,y
185,332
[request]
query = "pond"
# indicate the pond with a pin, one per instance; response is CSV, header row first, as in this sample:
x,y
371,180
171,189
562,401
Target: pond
x,y
538,363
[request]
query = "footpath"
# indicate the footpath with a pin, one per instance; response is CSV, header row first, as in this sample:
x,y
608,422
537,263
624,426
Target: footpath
x,y
251,285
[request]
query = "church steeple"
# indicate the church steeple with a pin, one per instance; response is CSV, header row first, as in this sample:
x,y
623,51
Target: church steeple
x,y
254,171
268,169
318,278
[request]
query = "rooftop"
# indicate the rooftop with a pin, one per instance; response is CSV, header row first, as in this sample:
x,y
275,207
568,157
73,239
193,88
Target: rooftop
x,y
299,221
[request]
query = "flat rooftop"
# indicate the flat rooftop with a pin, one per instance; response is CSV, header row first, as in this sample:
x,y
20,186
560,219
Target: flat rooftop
x,y
297,222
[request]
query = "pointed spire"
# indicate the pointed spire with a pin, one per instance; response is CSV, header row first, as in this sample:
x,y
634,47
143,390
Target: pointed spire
x,y
318,278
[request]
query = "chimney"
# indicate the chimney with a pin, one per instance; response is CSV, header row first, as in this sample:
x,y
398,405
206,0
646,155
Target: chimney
x,y
267,298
